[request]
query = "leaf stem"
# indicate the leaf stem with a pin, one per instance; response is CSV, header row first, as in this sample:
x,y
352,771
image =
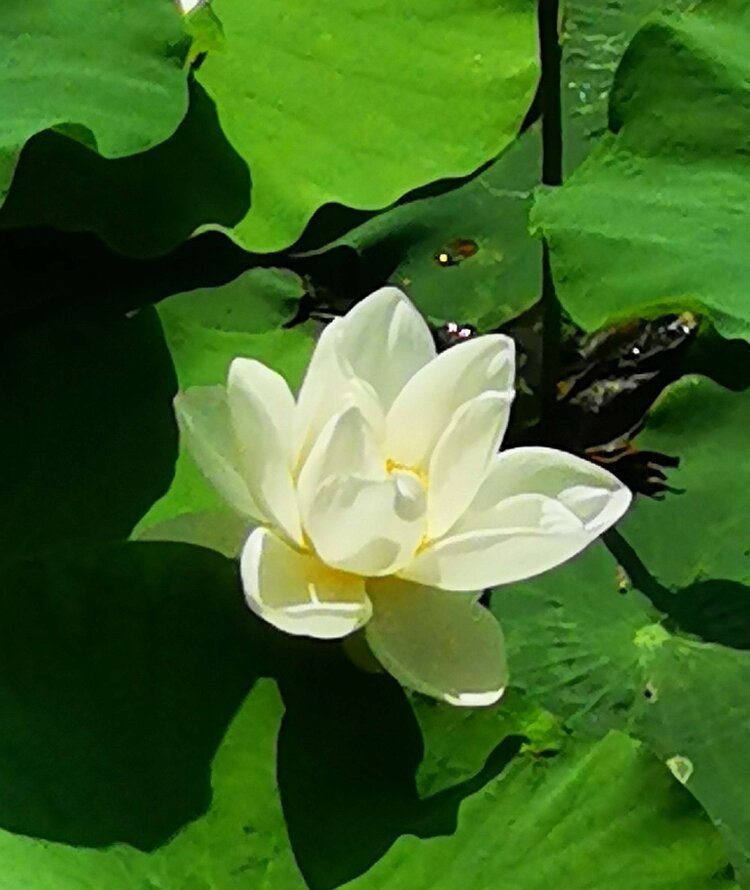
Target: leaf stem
x,y
552,172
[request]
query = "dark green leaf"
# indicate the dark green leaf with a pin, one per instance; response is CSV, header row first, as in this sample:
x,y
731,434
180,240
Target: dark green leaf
x,y
88,440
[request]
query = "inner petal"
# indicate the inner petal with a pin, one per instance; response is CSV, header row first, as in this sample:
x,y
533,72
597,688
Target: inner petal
x,y
366,526
410,500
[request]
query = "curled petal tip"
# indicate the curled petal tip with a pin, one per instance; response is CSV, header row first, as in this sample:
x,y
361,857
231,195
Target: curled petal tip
x,y
476,699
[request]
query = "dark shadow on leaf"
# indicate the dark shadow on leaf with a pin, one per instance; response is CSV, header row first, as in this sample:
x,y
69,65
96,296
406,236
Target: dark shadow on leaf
x,y
715,610
120,670
349,748
144,204
438,815
89,439
718,611
333,221
725,361
45,272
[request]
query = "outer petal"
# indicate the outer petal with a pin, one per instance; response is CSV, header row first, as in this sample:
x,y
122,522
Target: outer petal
x,y
441,644
507,535
203,416
462,457
531,534
386,341
297,593
262,411
424,408
593,494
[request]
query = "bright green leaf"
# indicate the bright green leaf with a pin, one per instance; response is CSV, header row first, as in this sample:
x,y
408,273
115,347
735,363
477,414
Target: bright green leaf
x,y
602,816
698,722
459,741
656,218
108,74
635,645
359,104
571,640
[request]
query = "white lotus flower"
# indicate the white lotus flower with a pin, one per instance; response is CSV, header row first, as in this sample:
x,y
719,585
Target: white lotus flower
x,y
381,501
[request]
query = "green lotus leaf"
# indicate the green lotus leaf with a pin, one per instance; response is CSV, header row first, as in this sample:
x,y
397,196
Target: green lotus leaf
x,y
607,813
357,105
465,255
108,75
142,205
704,425
594,38
656,218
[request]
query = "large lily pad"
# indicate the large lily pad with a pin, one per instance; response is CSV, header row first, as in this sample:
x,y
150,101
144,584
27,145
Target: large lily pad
x,y
606,815
601,658
108,74
658,642
589,677
657,217
106,772
358,105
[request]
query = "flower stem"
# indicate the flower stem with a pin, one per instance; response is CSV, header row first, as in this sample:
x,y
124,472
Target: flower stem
x,y
552,168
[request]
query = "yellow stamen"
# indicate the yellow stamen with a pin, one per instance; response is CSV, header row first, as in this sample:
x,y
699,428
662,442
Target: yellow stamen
x,y
392,466
423,545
